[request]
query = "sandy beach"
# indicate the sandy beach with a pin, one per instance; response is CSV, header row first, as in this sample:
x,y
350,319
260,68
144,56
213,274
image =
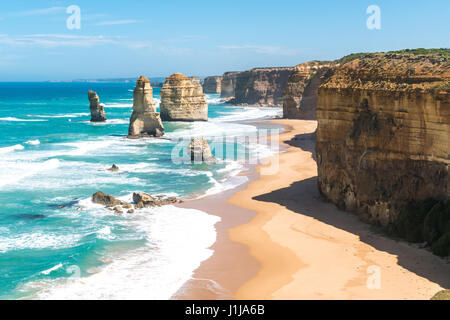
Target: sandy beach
x,y
279,239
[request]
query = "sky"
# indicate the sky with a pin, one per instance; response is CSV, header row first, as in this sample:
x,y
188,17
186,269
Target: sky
x,y
157,38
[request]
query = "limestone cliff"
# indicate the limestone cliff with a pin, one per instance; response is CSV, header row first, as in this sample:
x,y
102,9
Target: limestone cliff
x,y
383,136
98,113
300,93
145,121
212,85
182,99
261,86
228,84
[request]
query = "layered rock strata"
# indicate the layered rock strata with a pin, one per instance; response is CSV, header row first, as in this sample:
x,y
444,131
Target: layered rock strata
x,y
228,85
261,86
182,99
145,121
212,85
383,134
98,113
301,91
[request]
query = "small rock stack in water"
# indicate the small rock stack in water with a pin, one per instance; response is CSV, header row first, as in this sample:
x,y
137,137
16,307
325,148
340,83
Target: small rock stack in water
x,y
182,99
145,121
97,110
200,151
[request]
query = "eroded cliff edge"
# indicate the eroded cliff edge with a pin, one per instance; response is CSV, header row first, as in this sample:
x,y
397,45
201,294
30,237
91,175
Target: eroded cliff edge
x,y
301,91
261,86
383,134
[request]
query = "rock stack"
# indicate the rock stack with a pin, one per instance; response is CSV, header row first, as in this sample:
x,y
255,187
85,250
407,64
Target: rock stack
x,y
200,151
212,85
97,110
182,99
145,121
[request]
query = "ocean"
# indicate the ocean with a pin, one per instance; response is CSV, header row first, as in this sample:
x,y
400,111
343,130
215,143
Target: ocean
x,y
55,243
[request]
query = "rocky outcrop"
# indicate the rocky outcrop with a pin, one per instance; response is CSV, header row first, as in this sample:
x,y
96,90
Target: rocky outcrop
x,y
111,203
383,134
182,99
212,85
145,121
144,200
228,85
301,91
98,113
261,86
200,151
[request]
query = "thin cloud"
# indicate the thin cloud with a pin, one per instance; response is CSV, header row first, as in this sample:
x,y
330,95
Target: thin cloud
x,y
116,22
65,40
38,12
269,50
55,40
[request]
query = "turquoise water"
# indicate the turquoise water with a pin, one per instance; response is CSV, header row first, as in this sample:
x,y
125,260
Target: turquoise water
x,y
54,242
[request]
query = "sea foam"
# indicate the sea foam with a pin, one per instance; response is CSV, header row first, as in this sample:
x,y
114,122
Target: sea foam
x,y
174,250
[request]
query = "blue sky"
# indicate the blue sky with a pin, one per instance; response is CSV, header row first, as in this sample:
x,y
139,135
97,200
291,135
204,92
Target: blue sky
x,y
158,38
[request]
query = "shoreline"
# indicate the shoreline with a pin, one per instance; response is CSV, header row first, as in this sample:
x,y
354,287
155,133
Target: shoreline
x,y
291,244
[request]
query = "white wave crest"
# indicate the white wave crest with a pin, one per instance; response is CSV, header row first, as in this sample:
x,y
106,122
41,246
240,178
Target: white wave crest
x,y
11,149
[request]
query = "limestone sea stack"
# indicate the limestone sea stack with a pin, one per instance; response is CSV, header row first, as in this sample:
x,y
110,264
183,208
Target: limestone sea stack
x,y
212,85
182,99
383,134
98,113
145,121
300,93
200,151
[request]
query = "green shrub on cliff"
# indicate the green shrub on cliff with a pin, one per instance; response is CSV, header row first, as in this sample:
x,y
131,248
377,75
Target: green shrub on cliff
x,y
443,52
437,222
409,222
425,221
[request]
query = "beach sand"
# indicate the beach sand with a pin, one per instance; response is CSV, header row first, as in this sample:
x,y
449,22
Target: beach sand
x,y
279,239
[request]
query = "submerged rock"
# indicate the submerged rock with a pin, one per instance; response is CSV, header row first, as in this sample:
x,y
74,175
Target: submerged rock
x,y
114,168
98,113
182,99
118,210
145,121
200,151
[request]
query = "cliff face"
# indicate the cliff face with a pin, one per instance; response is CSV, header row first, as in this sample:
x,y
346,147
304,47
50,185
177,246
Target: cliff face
x,y
261,86
98,113
383,135
145,121
212,85
182,99
300,93
228,84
